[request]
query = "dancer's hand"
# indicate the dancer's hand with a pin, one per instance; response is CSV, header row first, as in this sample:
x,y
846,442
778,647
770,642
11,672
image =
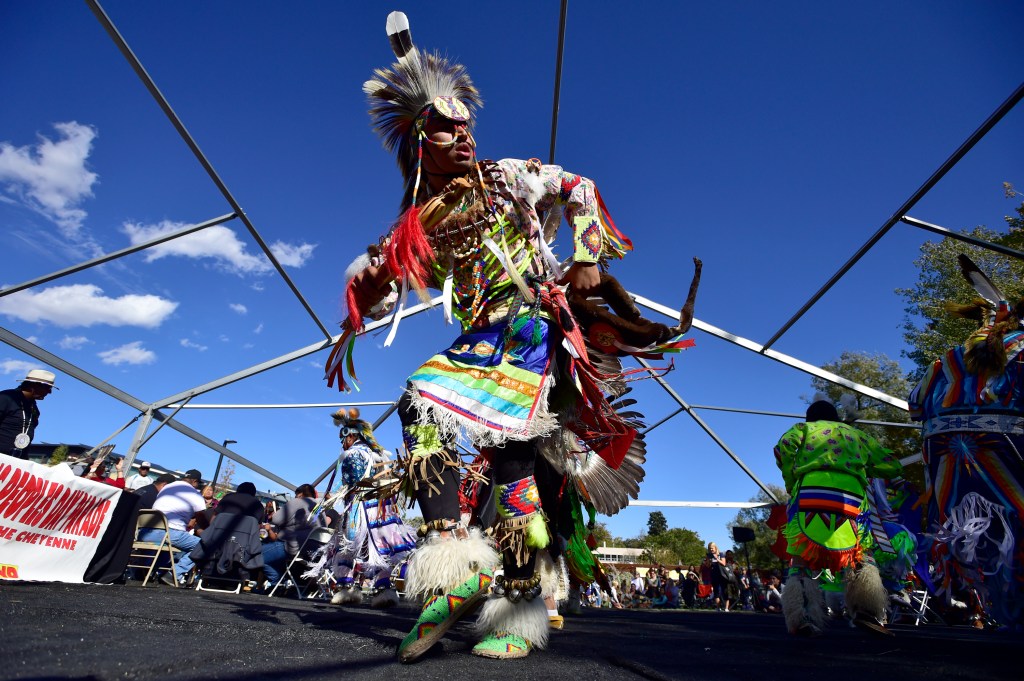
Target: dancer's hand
x,y
371,286
583,277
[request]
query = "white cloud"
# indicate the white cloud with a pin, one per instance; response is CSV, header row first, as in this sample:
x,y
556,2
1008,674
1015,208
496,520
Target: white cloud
x,y
17,366
238,307
85,305
73,342
50,178
129,353
290,255
217,243
257,285
186,343
224,339
247,346
259,329
33,339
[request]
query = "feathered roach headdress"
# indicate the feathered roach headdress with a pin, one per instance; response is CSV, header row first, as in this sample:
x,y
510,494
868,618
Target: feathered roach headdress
x,y
418,85
402,99
822,408
984,351
350,423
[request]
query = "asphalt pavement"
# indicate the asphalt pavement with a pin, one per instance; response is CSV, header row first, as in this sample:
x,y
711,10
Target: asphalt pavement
x,y
65,631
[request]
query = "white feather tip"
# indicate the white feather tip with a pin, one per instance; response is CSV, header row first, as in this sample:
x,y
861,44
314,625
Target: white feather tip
x,y
397,21
400,36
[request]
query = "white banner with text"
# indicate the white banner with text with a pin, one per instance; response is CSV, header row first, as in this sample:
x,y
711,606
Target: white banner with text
x,y
51,521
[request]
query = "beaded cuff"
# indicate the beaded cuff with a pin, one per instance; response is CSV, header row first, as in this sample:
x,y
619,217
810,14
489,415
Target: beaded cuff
x,y
519,519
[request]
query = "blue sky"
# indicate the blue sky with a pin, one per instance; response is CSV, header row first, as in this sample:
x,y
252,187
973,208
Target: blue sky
x,y
772,140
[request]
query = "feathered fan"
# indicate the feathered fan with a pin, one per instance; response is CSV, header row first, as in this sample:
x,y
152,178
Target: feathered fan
x,y
610,489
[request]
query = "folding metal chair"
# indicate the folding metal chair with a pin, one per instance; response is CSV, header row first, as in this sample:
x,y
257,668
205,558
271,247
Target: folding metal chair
x,y
321,588
919,609
211,584
147,554
217,566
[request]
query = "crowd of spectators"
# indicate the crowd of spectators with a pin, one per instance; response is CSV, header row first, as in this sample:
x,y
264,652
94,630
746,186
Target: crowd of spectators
x,y
693,587
191,509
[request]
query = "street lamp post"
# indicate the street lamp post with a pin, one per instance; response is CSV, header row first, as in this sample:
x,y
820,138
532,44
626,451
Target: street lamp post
x,y
220,460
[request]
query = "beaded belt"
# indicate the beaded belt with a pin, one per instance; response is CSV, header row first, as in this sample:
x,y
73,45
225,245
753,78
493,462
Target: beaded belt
x,y
981,423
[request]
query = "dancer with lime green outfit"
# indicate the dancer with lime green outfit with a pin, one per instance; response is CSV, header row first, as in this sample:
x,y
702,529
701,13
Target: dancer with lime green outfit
x,y
826,464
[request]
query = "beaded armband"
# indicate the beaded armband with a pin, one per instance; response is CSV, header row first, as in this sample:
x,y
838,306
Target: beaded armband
x,y
588,239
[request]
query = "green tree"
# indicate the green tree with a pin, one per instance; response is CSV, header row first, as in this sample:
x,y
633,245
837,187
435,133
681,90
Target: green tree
x,y
676,546
630,542
879,372
603,536
656,523
760,549
59,455
928,329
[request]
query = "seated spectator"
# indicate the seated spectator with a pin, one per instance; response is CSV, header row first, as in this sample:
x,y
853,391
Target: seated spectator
x,y
203,520
82,466
147,495
637,598
242,501
630,599
179,502
99,473
671,593
773,597
654,581
639,583
287,531
209,496
614,595
230,548
690,583
759,589
140,479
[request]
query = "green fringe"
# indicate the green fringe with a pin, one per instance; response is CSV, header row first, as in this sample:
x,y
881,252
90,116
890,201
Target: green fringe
x,y
578,556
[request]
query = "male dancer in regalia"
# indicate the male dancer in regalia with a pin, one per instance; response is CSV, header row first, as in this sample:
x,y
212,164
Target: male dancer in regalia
x,y
826,465
971,406
518,382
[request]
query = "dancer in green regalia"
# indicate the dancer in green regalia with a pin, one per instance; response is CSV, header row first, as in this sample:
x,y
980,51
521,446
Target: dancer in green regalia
x,y
826,464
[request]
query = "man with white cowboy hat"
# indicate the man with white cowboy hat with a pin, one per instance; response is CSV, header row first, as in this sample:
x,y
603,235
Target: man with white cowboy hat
x,y
19,414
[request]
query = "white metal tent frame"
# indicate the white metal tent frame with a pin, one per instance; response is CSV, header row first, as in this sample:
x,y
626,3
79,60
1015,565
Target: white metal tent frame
x,y
148,411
